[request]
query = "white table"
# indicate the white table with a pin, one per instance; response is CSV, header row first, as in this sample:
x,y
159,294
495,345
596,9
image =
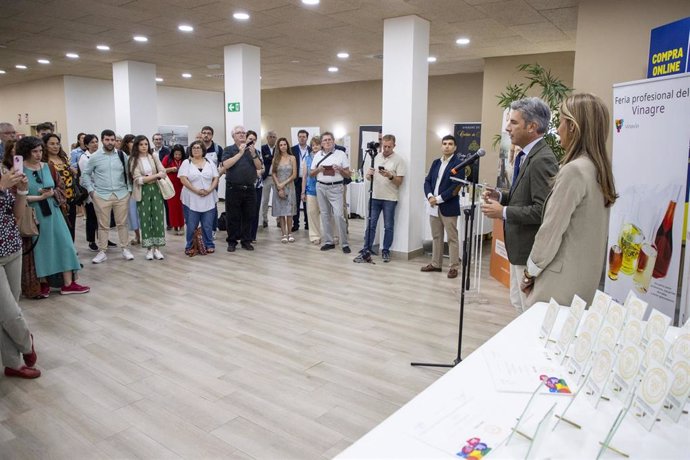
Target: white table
x,y
398,436
357,198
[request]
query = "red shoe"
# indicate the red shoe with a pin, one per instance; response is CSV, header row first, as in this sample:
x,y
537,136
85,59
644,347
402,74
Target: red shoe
x,y
23,372
45,291
31,358
74,288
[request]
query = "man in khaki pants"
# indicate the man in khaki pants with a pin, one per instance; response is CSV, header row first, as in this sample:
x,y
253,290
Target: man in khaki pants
x,y
441,193
107,180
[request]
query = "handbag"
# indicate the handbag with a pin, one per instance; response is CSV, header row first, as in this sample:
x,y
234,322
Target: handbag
x,y
28,225
166,187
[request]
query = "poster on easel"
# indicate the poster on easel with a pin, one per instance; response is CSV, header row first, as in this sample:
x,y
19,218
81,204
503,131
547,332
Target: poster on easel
x,y
651,141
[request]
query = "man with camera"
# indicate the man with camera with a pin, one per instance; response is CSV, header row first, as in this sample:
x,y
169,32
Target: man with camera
x,y
387,175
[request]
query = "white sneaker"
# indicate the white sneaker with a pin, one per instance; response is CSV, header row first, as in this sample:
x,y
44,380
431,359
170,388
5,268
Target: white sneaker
x,y
214,235
157,254
149,254
100,257
127,254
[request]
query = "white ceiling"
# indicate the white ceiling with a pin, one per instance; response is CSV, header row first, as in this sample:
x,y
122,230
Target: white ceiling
x,y
298,43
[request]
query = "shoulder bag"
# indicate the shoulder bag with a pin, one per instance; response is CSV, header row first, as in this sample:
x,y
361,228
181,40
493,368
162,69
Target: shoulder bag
x,y
165,185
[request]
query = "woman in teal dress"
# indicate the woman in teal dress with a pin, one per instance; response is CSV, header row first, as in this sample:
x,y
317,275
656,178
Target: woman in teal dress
x,y
54,252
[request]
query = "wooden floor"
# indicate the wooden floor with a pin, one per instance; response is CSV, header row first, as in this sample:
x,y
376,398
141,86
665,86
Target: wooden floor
x,y
284,352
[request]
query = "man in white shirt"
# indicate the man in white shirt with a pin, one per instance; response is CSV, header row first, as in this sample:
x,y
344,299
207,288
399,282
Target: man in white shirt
x,y
330,166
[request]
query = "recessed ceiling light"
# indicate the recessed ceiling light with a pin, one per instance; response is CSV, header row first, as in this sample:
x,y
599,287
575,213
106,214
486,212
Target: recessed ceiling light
x,y
240,16
186,75
72,55
43,61
185,28
343,55
159,79
332,69
140,38
294,61
431,59
463,41
2,72
310,2
103,47
21,66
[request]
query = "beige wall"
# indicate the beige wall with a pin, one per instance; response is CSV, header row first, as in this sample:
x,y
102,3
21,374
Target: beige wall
x,y
613,40
498,73
43,100
452,98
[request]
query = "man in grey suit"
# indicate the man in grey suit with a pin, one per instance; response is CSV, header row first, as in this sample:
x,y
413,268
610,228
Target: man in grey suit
x,y
521,206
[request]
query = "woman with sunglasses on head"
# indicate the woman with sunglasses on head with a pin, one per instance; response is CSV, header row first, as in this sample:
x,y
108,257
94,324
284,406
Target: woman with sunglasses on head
x,y
54,251
145,170
16,341
57,159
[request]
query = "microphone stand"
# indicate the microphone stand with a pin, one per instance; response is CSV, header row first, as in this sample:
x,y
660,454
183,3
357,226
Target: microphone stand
x,y
372,154
465,275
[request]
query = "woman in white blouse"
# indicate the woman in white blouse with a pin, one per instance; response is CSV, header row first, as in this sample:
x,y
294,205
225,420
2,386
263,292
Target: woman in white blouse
x,y
199,196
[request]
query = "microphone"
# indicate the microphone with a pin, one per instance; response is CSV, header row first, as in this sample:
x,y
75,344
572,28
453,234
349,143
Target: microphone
x,y
468,161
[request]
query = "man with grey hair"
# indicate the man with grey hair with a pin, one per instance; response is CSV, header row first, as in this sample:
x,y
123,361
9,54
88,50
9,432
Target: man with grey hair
x,y
7,133
240,165
521,206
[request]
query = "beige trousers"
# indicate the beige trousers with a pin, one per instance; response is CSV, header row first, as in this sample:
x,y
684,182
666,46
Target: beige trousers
x,y
314,218
119,207
450,225
517,298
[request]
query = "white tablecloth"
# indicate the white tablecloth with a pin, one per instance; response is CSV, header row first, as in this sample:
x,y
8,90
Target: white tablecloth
x,y
466,395
357,198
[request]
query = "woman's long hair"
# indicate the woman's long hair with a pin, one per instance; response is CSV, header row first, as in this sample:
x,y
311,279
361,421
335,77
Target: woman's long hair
x,y
590,122
125,143
61,154
134,155
277,154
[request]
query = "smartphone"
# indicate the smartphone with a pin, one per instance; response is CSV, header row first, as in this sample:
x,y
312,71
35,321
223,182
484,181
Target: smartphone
x,y
19,164
381,168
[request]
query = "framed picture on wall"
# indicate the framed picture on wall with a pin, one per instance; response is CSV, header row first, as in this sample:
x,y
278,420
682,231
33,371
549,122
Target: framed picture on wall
x,y
174,134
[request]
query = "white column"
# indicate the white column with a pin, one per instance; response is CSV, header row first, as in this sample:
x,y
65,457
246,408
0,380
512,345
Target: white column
x,y
136,98
243,87
404,114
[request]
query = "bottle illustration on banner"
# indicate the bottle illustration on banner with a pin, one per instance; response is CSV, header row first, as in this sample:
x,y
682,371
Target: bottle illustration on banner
x,y
664,239
645,267
615,261
630,242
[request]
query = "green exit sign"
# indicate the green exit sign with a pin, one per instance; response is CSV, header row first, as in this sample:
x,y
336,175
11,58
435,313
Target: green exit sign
x,y
233,106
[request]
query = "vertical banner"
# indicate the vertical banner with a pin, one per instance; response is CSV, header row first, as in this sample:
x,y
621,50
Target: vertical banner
x,y
468,137
651,137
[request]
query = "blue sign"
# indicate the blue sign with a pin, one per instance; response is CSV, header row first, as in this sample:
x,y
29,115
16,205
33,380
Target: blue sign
x,y
668,49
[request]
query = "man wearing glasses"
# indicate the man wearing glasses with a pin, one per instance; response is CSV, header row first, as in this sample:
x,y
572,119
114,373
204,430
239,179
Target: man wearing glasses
x,y
240,166
7,133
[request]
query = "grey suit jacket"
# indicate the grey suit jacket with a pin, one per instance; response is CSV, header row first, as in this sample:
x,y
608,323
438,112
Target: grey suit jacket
x,y
525,201
570,247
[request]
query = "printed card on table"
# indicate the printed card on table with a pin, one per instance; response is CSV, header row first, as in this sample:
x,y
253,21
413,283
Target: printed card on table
x,y
577,306
680,349
632,332
600,303
592,323
635,306
656,326
567,334
616,315
651,394
626,371
549,319
680,389
602,363
657,349
582,351
608,336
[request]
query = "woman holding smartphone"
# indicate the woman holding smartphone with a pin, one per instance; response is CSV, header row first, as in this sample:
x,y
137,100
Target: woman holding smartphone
x,y
54,251
16,341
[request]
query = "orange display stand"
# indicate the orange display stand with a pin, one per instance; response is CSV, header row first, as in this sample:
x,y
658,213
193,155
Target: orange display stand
x,y
499,267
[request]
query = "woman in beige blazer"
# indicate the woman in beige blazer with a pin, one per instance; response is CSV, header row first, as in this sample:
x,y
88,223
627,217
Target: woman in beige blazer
x,y
146,170
568,256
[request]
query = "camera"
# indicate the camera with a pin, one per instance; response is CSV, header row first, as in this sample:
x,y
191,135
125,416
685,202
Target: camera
x,y
373,145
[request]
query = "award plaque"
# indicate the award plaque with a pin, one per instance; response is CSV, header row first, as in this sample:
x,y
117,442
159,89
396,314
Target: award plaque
x,y
651,394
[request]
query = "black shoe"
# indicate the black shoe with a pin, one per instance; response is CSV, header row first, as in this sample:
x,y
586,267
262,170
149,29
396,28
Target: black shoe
x,y
346,250
328,247
111,244
248,246
295,228
231,247
93,246
386,256
363,257
265,224
306,227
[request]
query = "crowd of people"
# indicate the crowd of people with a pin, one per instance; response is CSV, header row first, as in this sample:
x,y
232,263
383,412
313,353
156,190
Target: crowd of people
x,y
550,213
